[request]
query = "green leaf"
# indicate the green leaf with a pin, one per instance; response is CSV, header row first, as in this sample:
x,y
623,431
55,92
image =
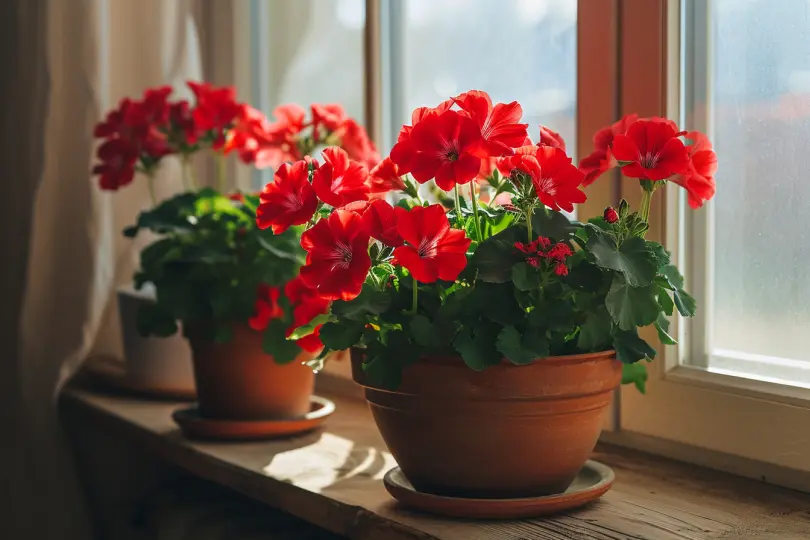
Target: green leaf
x,y
594,334
662,325
630,347
665,301
154,321
277,251
494,301
521,350
495,256
552,224
673,276
478,349
369,302
635,374
659,253
307,329
383,373
687,306
631,258
631,306
223,333
341,335
276,344
422,331
525,277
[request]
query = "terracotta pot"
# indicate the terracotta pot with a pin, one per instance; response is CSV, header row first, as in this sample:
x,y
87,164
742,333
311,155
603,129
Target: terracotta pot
x,y
237,380
508,431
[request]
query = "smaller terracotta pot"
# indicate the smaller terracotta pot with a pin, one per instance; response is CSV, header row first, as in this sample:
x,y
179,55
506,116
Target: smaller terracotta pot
x,y
239,381
506,432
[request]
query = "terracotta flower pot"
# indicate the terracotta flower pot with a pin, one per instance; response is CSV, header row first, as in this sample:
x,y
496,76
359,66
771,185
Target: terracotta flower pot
x,y
237,380
507,431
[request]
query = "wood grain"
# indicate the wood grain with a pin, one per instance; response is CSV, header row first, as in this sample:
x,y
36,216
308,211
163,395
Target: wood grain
x,y
332,478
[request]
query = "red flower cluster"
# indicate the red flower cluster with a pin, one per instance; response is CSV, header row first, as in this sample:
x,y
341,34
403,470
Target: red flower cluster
x,y
140,132
306,305
556,180
652,149
450,145
541,249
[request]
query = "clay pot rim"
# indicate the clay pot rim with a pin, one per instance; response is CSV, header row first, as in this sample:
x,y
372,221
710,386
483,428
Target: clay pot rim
x,y
506,364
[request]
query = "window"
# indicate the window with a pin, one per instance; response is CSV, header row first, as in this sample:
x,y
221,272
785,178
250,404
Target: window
x,y
749,86
737,385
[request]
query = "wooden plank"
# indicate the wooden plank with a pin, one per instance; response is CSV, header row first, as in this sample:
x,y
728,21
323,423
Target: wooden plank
x,y
332,479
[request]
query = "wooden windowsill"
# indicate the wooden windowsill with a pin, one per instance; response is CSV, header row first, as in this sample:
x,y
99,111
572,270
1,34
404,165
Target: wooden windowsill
x,y
332,479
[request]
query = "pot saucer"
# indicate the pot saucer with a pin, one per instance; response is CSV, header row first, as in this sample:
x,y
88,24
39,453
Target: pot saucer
x,y
194,425
112,373
591,483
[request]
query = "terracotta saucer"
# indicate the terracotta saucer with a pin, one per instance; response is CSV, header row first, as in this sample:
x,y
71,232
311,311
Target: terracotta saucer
x,y
591,483
194,425
111,373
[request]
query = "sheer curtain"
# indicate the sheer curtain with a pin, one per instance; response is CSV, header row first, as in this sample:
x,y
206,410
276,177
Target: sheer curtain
x,y
66,63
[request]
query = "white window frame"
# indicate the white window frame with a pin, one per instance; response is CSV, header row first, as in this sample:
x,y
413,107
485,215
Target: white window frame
x,y
750,427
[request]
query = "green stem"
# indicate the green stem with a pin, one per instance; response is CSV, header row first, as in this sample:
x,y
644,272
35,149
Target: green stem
x,y
150,181
645,205
529,214
221,172
415,294
459,217
189,179
474,199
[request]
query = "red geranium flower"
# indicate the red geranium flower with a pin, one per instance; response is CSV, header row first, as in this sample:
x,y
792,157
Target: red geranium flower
x,y
337,256
385,177
556,180
288,200
340,181
266,308
182,121
551,138
442,147
380,222
600,160
652,149
698,180
307,305
355,140
499,124
434,250
117,167
330,116
216,109
405,152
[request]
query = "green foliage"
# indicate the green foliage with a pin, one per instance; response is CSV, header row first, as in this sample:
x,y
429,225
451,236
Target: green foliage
x,y
631,258
635,374
494,258
206,265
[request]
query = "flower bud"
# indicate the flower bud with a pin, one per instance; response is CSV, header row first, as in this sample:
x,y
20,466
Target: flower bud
x,y
611,216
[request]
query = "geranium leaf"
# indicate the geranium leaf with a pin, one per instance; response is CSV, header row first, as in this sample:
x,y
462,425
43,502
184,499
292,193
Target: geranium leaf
x,y
631,306
665,301
635,374
659,253
521,350
662,325
525,277
594,334
341,335
687,306
422,331
630,347
551,224
383,373
276,344
307,329
673,276
478,350
495,256
632,258
369,302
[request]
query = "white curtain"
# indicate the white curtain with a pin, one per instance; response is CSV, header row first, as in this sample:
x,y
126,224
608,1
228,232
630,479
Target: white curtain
x,y
63,254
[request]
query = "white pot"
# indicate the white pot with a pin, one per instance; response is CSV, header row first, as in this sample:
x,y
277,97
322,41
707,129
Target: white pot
x,y
152,362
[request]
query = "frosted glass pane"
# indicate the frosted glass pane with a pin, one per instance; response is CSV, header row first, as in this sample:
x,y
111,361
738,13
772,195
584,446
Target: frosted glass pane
x,y
522,50
760,113
316,53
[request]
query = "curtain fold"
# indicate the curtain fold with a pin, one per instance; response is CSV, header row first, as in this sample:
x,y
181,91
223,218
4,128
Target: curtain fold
x,y
67,63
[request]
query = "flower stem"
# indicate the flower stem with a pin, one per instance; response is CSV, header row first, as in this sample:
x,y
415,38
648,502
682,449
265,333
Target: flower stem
x,y
529,214
150,181
221,166
415,293
474,199
459,217
189,180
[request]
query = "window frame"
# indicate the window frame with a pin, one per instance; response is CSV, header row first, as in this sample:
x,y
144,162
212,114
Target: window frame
x,y
745,426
